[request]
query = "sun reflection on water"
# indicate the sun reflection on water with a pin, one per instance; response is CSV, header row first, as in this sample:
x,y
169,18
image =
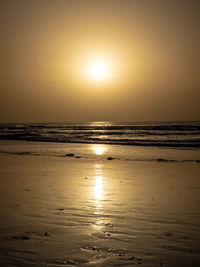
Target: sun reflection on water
x,y
98,189
99,149
98,195
98,186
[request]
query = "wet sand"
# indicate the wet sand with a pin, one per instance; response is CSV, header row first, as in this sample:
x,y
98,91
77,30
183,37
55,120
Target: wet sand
x,y
66,211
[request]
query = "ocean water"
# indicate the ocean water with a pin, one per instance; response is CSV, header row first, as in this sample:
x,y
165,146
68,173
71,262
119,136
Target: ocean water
x,y
168,134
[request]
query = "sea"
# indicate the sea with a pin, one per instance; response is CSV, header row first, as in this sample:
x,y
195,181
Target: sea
x,y
183,134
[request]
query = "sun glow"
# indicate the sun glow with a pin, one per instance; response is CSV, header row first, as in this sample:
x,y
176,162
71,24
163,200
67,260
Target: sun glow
x,y
98,70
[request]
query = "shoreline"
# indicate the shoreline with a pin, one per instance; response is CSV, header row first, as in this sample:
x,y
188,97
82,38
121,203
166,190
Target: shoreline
x,y
100,151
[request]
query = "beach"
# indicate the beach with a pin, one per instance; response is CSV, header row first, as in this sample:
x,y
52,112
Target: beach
x,y
98,205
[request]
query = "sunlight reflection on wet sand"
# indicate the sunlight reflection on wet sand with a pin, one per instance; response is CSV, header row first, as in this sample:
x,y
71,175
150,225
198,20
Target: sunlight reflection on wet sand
x,y
98,195
98,186
98,189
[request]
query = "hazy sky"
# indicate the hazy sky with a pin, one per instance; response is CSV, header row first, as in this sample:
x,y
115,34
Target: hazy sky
x,y
150,46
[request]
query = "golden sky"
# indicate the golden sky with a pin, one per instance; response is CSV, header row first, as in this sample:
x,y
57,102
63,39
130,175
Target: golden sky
x,y
148,52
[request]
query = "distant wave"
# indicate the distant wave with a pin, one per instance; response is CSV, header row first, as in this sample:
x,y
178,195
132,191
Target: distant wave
x,y
171,134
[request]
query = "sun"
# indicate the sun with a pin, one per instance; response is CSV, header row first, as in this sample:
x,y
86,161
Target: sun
x,y
98,70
